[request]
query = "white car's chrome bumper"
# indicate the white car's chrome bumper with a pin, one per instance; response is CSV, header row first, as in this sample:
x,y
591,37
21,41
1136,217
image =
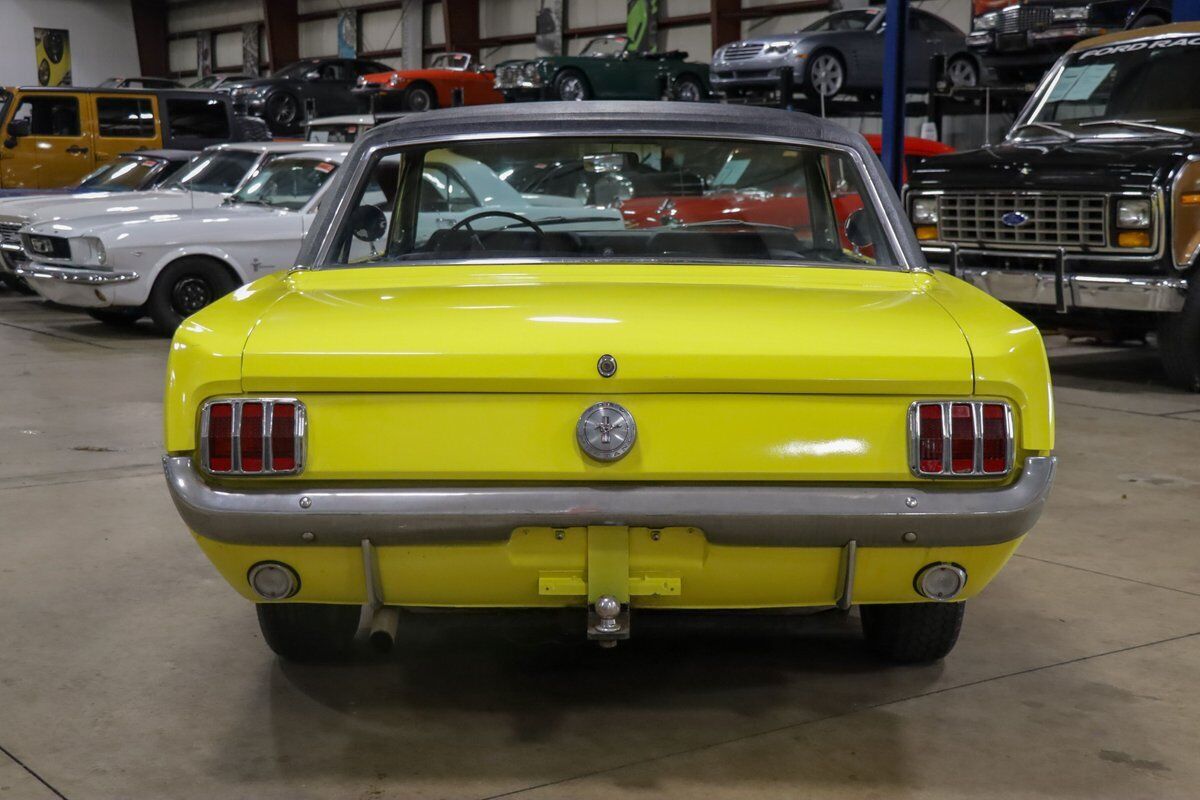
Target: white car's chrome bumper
x,y
92,277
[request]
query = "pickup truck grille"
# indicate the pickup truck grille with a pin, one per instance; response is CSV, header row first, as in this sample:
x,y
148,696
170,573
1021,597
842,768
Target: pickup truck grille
x,y
1071,221
1018,19
742,51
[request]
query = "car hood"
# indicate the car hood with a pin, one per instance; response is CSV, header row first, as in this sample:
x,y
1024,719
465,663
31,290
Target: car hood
x,y
1136,164
217,225
54,208
541,328
257,83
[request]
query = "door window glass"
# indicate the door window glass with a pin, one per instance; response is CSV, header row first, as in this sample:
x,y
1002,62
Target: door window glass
x,y
125,117
49,115
197,119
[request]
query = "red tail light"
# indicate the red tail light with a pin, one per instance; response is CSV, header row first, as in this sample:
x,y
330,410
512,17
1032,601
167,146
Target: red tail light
x,y
961,439
931,439
252,436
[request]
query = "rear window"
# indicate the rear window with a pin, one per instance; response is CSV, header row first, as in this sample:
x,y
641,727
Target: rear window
x,y
665,200
197,119
125,117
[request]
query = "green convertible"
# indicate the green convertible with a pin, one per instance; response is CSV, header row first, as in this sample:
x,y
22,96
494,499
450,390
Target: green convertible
x,y
605,70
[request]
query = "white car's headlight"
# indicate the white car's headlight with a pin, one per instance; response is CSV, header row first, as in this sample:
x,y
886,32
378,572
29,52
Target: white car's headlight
x,y
91,251
1133,213
988,21
925,211
1070,13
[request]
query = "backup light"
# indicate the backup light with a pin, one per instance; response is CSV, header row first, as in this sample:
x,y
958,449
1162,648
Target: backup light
x,y
940,581
271,580
960,439
252,436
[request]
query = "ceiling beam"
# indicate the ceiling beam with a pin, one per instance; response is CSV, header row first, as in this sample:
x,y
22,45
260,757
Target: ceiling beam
x,y
150,31
283,31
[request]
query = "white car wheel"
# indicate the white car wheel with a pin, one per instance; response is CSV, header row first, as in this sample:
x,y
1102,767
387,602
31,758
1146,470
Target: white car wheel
x,y
826,74
962,72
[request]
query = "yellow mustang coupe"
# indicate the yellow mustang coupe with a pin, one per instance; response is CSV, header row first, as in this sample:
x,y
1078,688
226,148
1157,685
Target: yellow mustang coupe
x,y
704,366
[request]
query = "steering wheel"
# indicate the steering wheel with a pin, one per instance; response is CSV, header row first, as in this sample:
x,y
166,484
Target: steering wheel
x,y
465,222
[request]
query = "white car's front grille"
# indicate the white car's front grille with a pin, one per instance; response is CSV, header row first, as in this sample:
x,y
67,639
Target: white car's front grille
x,y
1036,221
10,244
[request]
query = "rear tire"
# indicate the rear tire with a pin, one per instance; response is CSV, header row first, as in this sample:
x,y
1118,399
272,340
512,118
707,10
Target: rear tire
x,y
251,129
571,84
912,633
963,71
117,317
826,74
1148,21
309,632
284,114
689,89
185,287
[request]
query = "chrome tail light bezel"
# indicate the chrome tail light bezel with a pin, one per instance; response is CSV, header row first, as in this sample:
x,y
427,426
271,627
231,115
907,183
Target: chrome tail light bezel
x,y
299,436
947,472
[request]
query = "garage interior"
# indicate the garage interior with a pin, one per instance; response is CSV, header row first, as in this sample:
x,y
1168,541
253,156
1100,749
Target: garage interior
x,y
129,669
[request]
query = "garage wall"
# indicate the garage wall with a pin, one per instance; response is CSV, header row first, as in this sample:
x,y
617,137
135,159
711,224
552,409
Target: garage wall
x,y
102,40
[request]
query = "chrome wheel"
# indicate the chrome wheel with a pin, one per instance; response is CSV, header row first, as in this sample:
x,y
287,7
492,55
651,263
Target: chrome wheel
x,y
190,294
571,88
419,99
689,92
962,72
284,110
826,74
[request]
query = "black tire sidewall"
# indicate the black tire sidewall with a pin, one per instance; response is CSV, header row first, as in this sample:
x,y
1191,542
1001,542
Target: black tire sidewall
x,y
689,81
309,632
414,90
562,77
1179,344
160,305
272,104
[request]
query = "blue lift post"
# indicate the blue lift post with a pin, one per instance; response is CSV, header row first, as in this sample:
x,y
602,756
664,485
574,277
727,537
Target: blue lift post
x,y
1185,10
895,35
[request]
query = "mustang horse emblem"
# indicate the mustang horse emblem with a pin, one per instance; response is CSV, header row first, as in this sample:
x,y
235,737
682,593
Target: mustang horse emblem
x,y
606,431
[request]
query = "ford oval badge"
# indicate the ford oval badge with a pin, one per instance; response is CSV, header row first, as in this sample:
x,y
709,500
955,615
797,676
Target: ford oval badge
x,y
1014,219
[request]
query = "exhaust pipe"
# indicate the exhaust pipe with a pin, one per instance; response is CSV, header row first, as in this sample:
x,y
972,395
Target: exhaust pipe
x,y
383,629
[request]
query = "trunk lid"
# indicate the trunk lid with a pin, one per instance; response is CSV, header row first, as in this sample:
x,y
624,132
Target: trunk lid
x,y
541,328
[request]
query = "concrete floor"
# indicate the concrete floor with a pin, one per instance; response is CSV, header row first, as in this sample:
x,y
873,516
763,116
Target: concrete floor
x,y
128,669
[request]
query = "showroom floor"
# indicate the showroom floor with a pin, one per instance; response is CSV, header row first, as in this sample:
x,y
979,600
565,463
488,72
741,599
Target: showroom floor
x,y
129,669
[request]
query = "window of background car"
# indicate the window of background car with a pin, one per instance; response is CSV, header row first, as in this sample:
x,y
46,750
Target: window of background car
x,y
1123,82
623,200
285,183
122,173
49,115
197,119
219,172
605,47
857,20
125,117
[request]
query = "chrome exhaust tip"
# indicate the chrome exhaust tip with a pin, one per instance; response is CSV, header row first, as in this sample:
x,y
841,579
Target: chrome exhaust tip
x,y
383,629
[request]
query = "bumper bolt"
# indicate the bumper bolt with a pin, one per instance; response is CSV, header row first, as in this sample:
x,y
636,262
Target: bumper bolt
x,y
305,502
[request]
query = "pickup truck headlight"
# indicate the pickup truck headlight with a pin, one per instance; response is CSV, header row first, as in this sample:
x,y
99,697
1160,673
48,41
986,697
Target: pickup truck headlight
x,y
925,211
91,251
1133,213
987,22
1070,13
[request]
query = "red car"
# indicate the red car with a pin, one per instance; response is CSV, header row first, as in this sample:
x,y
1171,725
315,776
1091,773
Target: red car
x,y
740,192
450,80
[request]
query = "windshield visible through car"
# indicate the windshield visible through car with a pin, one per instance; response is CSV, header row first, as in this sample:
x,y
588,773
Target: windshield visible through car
x,y
844,21
121,174
287,183
670,200
1141,88
219,172
605,47
454,61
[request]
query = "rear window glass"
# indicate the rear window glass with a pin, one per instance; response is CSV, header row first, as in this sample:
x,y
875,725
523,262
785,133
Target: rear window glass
x,y
125,117
198,119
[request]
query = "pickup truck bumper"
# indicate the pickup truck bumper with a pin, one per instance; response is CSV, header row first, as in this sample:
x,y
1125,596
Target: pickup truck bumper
x,y
1065,290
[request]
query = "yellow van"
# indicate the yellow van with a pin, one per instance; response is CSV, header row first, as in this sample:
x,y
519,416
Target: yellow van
x,y
52,137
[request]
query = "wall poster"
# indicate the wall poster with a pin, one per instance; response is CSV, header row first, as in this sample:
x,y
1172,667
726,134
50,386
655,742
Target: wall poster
x,y
52,51
641,26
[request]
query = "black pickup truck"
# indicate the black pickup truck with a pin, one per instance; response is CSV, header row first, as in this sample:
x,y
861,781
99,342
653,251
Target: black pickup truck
x,y
1087,215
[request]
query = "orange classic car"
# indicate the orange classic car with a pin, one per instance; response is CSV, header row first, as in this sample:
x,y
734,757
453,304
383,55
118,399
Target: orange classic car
x,y
452,79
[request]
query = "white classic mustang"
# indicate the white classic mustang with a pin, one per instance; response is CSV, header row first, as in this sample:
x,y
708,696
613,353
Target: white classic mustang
x,y
170,265
205,182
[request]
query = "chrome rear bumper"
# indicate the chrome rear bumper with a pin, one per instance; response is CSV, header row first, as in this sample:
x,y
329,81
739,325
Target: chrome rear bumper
x,y
770,515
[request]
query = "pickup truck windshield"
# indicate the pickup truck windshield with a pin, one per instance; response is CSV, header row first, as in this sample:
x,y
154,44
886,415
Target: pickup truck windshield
x,y
621,200
1136,88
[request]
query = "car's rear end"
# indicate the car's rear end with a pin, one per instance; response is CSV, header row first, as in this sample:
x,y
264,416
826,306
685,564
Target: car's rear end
x,y
422,429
